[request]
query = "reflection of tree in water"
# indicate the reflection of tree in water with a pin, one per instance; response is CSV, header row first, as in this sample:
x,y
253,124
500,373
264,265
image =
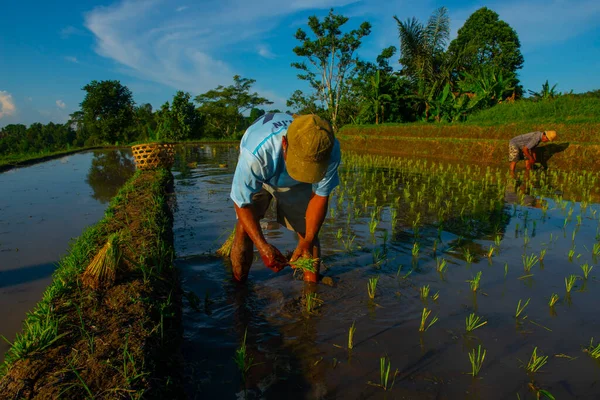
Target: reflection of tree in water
x,y
108,172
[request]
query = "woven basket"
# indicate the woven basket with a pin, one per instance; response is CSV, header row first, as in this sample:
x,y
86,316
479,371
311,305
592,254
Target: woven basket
x,y
153,155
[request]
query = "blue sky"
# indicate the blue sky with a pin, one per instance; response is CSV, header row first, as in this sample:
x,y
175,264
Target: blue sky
x,y
50,50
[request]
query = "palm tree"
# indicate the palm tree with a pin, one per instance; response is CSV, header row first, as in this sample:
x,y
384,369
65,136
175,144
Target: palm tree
x,y
423,55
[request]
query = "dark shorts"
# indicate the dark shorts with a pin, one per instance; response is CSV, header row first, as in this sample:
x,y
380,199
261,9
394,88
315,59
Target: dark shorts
x,y
290,204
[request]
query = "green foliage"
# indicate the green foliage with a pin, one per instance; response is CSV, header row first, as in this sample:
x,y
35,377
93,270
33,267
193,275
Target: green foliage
x,y
223,107
18,139
330,61
566,108
180,121
486,41
108,112
547,93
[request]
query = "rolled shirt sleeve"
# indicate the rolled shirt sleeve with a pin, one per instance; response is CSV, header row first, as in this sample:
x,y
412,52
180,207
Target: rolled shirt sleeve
x,y
247,179
331,179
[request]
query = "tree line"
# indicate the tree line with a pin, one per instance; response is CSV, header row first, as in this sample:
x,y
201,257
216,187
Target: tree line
x,y
438,81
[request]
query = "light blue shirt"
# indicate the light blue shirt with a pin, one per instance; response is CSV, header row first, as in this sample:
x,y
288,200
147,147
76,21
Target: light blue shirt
x,y
261,161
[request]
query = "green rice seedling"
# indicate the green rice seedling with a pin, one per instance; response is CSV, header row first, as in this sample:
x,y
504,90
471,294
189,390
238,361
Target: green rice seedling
x,y
474,283
424,316
468,256
473,322
536,362
349,244
497,240
373,223
312,302
436,296
339,234
476,358
242,359
424,292
570,282
384,237
305,264
571,253
553,300
520,309
351,335
593,351
385,366
372,286
441,265
102,270
415,250
505,270
586,270
596,249
542,255
394,217
491,251
579,220
529,262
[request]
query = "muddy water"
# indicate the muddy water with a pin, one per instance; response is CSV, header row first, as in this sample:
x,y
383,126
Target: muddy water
x,y
300,355
42,207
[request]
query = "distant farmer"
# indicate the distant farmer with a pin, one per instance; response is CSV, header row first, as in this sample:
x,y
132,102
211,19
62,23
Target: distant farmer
x,y
524,147
295,161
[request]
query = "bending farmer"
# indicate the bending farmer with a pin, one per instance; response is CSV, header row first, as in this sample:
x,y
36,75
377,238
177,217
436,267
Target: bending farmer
x,y
294,160
524,147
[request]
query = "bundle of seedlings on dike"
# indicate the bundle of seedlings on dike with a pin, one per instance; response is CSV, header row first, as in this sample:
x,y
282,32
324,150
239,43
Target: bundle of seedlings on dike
x,y
102,271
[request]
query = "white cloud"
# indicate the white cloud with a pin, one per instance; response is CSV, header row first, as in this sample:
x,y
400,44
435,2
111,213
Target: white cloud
x,y
7,105
157,43
72,59
60,104
182,8
265,51
68,31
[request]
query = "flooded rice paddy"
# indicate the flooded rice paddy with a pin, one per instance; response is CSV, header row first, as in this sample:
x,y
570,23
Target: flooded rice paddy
x,y
439,244
42,207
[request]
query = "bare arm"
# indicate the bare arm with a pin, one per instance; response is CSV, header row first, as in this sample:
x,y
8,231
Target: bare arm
x,y
315,215
270,255
249,221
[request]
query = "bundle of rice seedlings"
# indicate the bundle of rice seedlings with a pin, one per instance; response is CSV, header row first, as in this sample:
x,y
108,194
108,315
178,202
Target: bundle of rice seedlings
x,y
102,271
305,264
225,250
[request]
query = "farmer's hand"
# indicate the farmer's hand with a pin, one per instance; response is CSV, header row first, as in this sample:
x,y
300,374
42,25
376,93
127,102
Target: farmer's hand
x,y
529,164
303,250
272,258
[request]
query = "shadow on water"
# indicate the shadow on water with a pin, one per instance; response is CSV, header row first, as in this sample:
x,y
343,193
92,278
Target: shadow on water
x,y
27,274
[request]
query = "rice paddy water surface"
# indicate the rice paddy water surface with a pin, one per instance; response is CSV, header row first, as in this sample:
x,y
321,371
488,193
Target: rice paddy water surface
x,y
42,207
445,281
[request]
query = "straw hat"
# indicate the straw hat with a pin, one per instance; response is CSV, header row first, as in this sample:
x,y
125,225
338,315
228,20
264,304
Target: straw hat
x,y
310,142
551,135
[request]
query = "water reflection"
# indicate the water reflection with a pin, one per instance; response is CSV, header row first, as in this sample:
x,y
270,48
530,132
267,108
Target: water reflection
x,y
108,172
